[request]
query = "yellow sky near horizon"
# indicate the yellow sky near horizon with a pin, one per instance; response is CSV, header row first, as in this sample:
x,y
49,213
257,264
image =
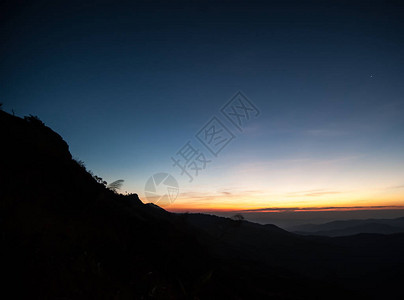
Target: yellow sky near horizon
x,y
348,181
226,201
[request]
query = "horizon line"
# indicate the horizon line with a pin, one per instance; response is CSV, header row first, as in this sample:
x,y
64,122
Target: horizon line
x,y
293,209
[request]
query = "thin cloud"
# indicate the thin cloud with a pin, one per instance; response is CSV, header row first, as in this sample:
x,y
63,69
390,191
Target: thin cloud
x,y
396,187
312,193
227,193
321,194
320,208
219,193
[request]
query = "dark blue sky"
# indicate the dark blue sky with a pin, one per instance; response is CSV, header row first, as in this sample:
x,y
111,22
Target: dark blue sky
x,y
127,84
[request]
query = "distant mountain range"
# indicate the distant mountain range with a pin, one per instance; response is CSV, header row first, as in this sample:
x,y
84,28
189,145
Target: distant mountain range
x,y
66,236
351,227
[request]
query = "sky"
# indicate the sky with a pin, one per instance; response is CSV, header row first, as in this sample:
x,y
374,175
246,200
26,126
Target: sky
x,y
144,88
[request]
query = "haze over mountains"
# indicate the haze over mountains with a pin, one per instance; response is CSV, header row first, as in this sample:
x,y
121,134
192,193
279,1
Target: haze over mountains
x,y
290,219
351,227
66,236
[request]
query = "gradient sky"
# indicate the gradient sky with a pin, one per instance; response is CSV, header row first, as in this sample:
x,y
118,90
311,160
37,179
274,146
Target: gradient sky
x,y
127,84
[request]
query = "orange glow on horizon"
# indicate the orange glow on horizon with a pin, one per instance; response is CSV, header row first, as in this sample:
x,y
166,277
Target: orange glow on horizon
x,y
280,210
259,203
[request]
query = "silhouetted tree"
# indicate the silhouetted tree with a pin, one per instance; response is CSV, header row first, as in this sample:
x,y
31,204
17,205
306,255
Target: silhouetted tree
x,y
116,185
238,217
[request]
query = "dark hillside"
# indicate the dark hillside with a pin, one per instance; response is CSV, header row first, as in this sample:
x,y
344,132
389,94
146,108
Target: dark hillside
x,y
65,235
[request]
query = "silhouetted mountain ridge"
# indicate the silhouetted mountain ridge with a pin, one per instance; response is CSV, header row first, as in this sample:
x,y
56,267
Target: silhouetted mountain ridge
x,y
67,236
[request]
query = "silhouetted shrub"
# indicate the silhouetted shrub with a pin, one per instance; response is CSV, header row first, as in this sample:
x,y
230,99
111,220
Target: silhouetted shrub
x,y
80,163
97,178
34,120
100,180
